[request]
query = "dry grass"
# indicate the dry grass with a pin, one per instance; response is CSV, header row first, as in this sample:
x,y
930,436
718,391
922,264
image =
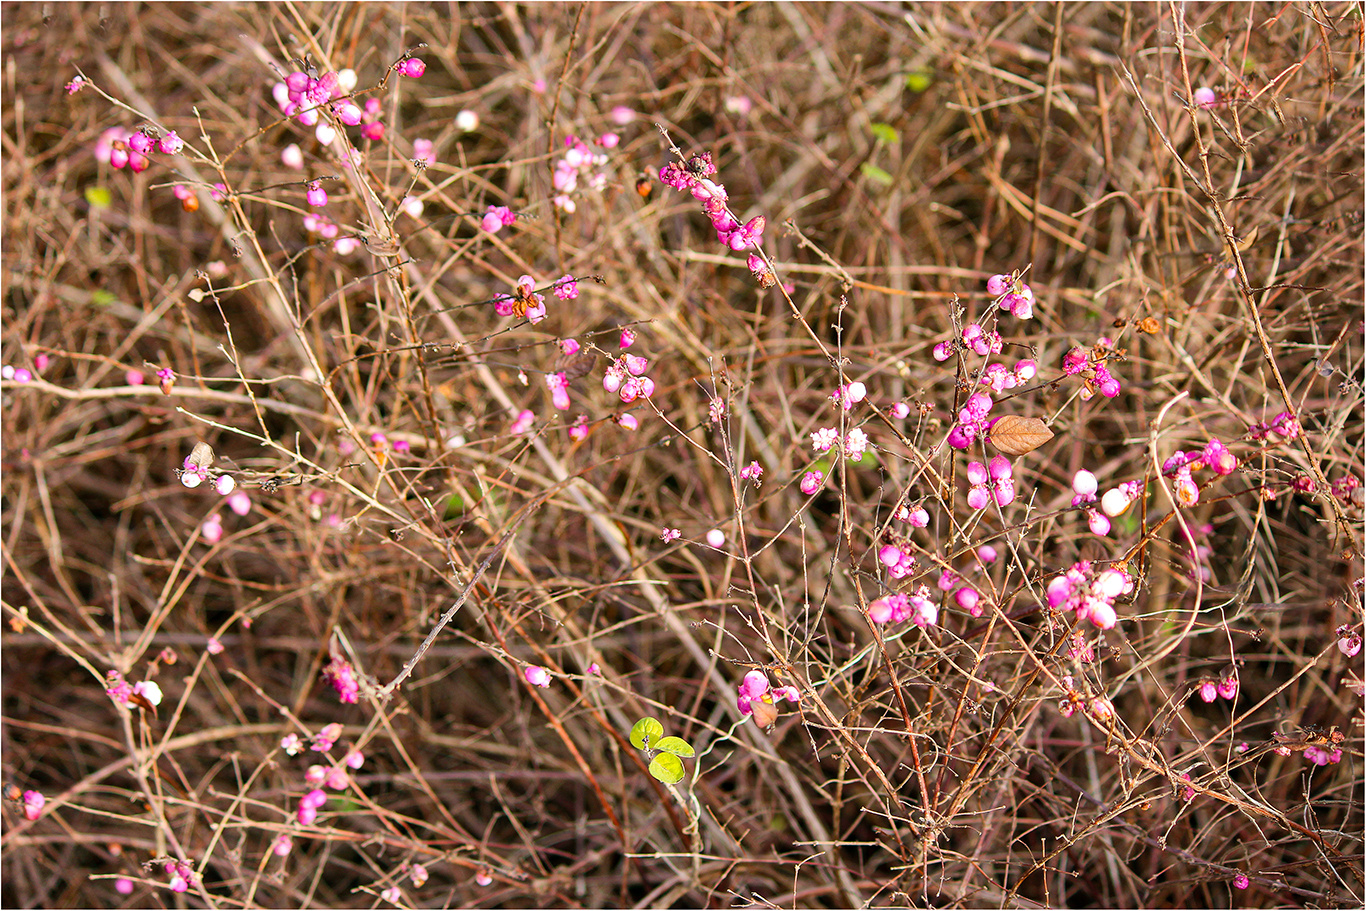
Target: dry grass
x,y
921,766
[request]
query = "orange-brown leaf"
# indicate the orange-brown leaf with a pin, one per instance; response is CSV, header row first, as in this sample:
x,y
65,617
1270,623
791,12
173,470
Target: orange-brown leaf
x,y
1016,436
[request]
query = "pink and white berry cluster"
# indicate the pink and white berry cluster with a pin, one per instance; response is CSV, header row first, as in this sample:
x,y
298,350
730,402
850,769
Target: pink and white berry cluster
x,y
898,559
1091,594
626,377
301,95
581,163
1181,465
119,148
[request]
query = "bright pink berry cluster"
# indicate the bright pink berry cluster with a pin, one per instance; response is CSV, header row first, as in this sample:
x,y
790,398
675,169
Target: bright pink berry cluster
x,y
1012,295
301,95
1090,366
915,516
342,676
756,688
972,420
497,218
917,606
118,148
626,377
898,559
993,481
694,177
1284,426
1224,688
182,875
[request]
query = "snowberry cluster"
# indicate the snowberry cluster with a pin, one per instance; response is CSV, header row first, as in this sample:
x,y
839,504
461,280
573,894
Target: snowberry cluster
x,y
581,163
626,377
1180,466
1284,426
898,559
972,420
993,481
1092,595
195,470
1012,295
1090,365
301,96
918,607
755,688
342,676
1226,688
118,148
694,177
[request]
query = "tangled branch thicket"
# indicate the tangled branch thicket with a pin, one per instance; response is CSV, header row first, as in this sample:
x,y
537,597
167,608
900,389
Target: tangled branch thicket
x,y
1206,249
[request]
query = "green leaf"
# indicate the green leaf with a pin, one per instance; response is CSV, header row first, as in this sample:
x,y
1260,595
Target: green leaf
x,y
99,197
876,174
884,132
455,506
101,298
676,745
918,81
646,734
667,767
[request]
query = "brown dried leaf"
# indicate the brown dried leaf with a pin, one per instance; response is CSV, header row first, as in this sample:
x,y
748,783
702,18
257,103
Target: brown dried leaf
x,y
1016,436
765,713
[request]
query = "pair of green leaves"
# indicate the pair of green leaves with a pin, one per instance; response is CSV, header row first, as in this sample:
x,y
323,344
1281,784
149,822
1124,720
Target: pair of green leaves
x,y
648,734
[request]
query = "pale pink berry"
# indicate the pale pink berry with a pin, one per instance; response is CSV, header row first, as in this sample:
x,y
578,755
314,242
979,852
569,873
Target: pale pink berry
x,y
33,804
1115,502
537,676
212,529
716,538
1084,483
